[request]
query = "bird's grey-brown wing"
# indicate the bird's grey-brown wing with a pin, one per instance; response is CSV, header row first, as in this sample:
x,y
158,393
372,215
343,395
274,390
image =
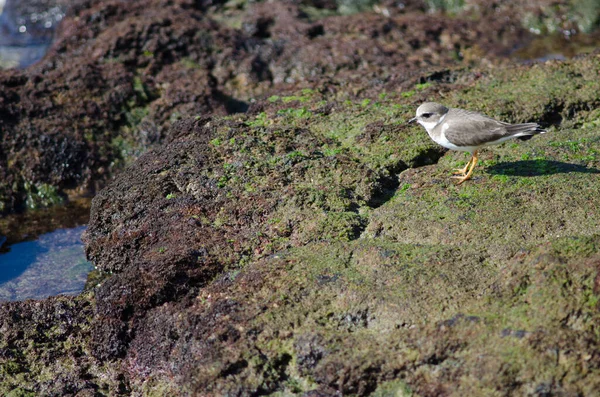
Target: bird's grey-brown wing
x,y
466,128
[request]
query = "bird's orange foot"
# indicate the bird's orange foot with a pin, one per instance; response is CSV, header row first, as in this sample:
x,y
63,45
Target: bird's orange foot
x,y
461,178
462,171
470,166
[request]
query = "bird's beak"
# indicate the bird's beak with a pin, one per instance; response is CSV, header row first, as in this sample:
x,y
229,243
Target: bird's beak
x,y
412,120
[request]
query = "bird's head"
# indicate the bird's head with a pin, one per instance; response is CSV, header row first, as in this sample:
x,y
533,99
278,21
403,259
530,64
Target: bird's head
x,y
429,114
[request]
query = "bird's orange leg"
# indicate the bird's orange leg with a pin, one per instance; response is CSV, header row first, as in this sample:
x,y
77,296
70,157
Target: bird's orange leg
x,y
463,171
473,162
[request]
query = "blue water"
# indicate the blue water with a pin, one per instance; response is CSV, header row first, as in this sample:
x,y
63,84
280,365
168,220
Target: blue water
x,y
26,30
52,264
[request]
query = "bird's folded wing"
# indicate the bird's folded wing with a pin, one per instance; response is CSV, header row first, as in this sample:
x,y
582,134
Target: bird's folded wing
x,y
473,129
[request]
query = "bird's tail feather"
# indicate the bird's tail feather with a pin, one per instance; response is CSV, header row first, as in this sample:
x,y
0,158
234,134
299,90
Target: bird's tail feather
x,y
525,129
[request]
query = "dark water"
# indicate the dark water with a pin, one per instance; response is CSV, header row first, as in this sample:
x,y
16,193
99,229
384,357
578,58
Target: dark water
x,y
26,30
41,253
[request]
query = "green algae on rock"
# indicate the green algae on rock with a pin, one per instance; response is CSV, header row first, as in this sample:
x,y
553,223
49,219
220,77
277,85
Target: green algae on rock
x,y
342,277
280,253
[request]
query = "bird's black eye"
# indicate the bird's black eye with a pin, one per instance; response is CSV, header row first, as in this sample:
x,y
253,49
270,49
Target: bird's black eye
x,y
426,115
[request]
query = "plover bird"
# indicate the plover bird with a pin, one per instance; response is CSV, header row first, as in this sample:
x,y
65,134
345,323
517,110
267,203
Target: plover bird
x,y
468,131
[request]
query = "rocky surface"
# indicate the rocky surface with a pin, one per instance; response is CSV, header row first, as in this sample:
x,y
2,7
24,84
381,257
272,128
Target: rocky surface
x,y
120,73
315,245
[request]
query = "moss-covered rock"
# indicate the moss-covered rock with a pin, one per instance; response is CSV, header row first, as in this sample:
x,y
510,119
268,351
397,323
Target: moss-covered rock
x,y
316,244
343,260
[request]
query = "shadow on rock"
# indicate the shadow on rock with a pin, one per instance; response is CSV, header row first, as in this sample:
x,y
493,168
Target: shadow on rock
x,y
538,168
